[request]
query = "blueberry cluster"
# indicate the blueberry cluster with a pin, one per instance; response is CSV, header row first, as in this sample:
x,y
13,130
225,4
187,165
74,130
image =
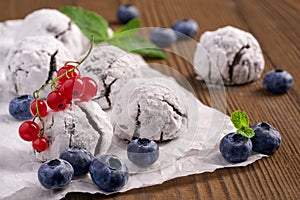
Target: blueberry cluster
x,y
108,172
235,148
162,37
180,30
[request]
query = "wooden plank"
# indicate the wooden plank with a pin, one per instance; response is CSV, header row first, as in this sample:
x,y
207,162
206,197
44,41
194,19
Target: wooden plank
x,y
275,24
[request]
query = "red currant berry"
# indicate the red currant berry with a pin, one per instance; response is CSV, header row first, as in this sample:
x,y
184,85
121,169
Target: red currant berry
x,y
78,88
40,144
41,106
66,90
56,101
71,75
29,130
90,89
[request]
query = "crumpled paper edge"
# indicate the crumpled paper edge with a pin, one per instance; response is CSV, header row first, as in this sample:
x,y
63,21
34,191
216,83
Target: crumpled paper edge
x,y
190,164
193,162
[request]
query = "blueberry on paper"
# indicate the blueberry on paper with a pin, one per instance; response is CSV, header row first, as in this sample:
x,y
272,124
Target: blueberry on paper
x,y
127,12
163,37
267,139
278,81
79,158
236,147
55,174
188,27
19,107
109,173
142,152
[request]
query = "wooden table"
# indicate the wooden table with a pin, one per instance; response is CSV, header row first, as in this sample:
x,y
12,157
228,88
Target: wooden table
x,y
276,25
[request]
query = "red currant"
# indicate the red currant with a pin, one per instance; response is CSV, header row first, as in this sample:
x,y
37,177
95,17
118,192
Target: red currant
x,y
71,75
78,88
41,106
40,144
90,89
56,101
29,130
66,90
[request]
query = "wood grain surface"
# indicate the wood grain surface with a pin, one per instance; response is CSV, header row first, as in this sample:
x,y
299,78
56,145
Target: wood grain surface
x,y
276,25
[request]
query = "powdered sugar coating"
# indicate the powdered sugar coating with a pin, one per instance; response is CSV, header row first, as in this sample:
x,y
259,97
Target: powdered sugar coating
x,y
84,125
32,62
149,108
236,53
7,31
111,67
59,26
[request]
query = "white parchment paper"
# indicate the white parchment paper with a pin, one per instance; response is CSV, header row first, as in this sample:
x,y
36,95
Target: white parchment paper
x,y
193,153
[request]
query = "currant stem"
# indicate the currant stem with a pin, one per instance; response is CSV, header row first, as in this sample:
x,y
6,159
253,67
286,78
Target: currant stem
x,y
53,83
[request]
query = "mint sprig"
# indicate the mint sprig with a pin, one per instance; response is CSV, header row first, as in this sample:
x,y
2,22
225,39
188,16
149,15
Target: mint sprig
x,y
240,121
90,23
137,44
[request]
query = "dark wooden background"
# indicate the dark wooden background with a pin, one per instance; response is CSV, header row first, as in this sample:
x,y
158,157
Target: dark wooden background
x,y
276,25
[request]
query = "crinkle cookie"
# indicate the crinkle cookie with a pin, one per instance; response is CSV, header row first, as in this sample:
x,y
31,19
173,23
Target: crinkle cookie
x,y
34,61
111,67
236,54
59,26
149,108
83,125
7,31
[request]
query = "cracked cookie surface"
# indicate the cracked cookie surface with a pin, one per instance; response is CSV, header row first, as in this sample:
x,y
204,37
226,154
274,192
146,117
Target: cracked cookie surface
x,y
83,125
235,53
149,108
53,23
112,68
34,61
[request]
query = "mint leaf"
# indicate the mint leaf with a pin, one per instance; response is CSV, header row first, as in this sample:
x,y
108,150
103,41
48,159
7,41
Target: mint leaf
x,y
137,44
89,23
246,132
239,119
132,24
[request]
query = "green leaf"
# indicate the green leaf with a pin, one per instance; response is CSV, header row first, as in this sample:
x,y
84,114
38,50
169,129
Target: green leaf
x,y
137,44
89,23
132,24
246,132
239,119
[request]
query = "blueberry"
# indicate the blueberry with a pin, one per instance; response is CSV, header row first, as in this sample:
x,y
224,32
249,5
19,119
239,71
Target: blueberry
x,y
127,12
163,37
19,107
188,27
235,148
267,139
142,152
55,174
278,81
79,158
109,173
